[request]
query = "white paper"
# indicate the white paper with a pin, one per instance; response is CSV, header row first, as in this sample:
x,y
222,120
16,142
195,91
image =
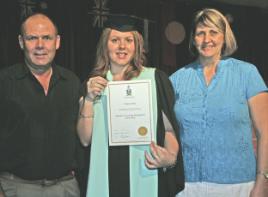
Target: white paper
x,y
130,117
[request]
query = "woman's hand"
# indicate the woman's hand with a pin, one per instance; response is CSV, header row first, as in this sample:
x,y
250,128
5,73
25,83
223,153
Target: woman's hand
x,y
260,189
95,86
160,157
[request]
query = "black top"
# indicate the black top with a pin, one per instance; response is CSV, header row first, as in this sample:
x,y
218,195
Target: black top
x,y
37,132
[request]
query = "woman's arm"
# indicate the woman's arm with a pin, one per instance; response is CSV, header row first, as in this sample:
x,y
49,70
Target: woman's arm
x,y
85,121
163,156
259,113
94,87
166,152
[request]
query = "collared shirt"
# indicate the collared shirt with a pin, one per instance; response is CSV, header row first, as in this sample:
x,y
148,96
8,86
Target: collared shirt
x,y
47,121
215,123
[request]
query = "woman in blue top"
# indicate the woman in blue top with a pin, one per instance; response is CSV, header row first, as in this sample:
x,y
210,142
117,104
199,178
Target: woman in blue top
x,y
218,101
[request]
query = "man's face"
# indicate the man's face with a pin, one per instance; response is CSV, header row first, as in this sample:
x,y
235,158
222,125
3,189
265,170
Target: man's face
x,y
39,41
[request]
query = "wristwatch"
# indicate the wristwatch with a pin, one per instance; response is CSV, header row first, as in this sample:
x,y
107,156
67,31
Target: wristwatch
x,y
264,173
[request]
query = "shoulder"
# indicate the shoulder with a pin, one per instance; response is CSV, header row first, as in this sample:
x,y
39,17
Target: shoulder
x,y
162,78
68,78
10,68
148,69
11,71
239,64
239,67
153,73
67,73
185,71
163,83
160,73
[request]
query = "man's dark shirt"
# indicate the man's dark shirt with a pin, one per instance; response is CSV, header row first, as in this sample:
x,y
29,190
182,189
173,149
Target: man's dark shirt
x,y
38,137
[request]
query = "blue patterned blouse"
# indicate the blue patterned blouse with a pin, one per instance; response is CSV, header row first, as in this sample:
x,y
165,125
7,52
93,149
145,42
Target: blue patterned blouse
x,y
215,122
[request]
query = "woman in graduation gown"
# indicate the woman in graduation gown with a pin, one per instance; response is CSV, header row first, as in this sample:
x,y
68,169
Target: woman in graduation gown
x,y
147,170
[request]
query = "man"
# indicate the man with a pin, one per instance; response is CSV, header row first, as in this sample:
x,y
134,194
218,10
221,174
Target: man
x,y
39,106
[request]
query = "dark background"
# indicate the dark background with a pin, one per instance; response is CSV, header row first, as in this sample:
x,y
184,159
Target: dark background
x,y
79,37
75,19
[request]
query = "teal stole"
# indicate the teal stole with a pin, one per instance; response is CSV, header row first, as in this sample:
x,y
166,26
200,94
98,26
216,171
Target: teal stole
x,y
143,181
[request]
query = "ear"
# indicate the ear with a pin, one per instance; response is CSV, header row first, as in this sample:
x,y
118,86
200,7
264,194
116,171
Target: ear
x,y
21,41
58,42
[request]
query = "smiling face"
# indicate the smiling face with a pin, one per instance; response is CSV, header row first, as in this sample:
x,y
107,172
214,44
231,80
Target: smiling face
x,y
208,41
121,48
39,40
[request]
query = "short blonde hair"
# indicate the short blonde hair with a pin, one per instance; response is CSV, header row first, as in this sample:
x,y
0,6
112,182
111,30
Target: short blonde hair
x,y
213,18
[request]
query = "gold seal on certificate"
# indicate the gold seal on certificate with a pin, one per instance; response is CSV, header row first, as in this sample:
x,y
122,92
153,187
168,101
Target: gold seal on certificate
x,y
142,131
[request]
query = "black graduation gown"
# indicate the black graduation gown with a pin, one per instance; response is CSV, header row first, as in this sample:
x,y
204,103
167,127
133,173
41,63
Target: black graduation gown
x,y
171,181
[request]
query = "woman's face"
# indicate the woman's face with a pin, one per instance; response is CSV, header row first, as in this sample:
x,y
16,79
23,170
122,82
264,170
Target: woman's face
x,y
121,48
208,41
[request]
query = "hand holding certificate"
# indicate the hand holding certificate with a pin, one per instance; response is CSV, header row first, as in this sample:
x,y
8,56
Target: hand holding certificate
x,y
130,117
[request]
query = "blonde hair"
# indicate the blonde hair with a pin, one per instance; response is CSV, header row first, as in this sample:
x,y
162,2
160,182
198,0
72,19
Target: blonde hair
x,y
213,18
102,63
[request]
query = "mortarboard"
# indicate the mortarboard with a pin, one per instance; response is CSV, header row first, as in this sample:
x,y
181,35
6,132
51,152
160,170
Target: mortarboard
x,y
123,23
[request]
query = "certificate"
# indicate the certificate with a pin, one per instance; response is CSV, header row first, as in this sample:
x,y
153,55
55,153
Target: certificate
x,y
130,118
